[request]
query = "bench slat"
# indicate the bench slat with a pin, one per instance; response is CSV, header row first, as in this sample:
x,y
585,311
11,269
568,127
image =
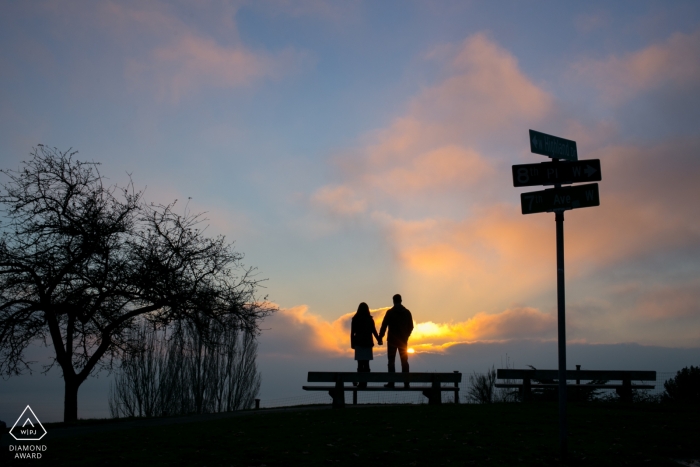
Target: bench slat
x,y
377,388
353,377
586,375
590,386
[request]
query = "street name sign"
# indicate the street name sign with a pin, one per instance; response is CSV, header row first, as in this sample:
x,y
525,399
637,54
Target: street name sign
x,y
553,146
550,173
571,197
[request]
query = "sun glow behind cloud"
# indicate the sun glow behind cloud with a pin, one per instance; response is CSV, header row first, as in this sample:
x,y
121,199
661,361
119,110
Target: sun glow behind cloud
x,y
298,328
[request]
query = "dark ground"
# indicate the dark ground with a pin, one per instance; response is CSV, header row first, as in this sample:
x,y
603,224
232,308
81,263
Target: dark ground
x,y
408,435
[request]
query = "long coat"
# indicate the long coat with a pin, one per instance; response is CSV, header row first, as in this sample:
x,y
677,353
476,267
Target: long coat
x,y
362,328
400,323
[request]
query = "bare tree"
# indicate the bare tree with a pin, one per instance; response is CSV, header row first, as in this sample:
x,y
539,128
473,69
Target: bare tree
x,y
81,261
140,382
181,373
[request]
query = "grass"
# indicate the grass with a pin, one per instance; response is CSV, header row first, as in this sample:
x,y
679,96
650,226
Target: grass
x,y
409,435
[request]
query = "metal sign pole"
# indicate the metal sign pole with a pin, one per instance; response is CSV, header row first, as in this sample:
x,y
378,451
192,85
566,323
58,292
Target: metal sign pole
x,y
561,325
561,305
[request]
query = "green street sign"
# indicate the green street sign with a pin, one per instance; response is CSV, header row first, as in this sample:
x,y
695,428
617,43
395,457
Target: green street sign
x,y
551,173
553,146
565,198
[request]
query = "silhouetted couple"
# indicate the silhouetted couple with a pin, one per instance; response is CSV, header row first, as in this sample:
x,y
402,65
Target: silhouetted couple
x,y
397,320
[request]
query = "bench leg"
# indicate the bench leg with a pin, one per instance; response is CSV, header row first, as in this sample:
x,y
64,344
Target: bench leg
x,y
526,393
433,394
354,398
456,384
338,395
625,392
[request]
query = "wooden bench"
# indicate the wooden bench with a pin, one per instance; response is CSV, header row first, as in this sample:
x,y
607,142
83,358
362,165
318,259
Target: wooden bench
x,y
433,392
624,388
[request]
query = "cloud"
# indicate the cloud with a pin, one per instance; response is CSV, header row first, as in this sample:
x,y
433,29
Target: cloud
x,y
442,168
340,200
488,91
477,254
436,182
162,49
300,330
516,323
647,203
296,330
672,301
193,62
483,93
432,183
434,148
186,61
670,63
495,253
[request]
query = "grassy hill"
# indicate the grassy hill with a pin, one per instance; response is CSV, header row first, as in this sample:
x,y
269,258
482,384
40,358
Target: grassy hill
x,y
408,435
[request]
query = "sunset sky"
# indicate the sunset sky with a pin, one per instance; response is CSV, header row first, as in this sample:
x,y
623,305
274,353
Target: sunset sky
x,y
358,149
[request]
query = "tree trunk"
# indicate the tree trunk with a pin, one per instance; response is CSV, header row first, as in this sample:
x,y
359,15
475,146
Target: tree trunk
x,y
70,405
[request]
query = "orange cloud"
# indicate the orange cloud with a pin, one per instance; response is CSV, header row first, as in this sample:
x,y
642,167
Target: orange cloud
x,y
298,330
489,92
492,258
496,256
442,168
672,62
648,204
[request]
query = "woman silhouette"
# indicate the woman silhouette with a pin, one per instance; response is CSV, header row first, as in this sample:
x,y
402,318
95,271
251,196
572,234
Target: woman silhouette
x,y
362,329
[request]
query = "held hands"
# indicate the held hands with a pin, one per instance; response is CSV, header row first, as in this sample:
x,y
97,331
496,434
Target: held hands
x,y
379,341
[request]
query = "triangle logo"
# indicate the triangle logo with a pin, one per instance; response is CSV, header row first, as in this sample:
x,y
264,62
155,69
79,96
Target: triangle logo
x,y
28,427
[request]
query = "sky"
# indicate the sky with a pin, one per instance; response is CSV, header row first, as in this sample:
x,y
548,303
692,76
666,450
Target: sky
x,y
353,150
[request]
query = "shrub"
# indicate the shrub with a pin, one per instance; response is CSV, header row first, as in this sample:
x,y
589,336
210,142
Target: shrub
x,y
482,389
684,387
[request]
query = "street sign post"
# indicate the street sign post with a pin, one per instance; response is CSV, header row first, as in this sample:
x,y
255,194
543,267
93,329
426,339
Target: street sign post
x,y
558,200
553,146
551,173
553,199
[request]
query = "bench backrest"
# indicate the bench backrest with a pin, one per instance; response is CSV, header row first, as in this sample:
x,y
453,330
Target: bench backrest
x,y
349,377
586,375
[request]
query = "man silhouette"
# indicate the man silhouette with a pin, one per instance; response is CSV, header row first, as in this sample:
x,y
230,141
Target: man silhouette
x,y
400,323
